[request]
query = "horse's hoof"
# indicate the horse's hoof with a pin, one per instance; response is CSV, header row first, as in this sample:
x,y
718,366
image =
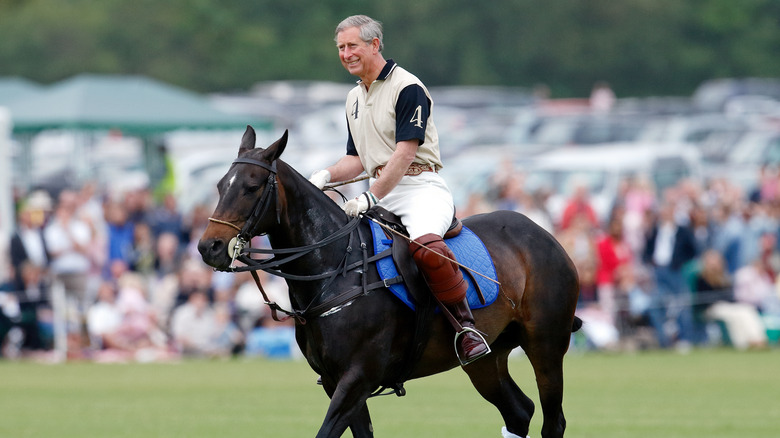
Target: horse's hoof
x,y
507,434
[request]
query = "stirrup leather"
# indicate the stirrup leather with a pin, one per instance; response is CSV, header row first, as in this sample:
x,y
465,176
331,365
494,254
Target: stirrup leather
x,y
481,337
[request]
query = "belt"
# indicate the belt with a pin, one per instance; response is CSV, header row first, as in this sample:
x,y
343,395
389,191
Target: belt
x,y
413,170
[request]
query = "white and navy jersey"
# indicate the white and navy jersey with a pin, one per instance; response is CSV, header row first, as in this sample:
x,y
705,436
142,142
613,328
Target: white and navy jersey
x,y
396,107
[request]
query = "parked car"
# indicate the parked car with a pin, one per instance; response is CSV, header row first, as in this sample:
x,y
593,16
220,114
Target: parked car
x,y
715,94
746,158
601,169
584,129
713,134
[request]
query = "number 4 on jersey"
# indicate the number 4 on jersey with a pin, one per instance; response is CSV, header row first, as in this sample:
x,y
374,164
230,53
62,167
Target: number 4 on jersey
x,y
417,117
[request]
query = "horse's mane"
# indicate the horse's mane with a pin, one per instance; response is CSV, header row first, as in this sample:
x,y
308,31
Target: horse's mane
x,y
299,186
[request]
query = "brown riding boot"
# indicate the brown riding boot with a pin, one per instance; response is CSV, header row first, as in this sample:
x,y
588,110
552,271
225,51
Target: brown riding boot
x,y
469,343
449,287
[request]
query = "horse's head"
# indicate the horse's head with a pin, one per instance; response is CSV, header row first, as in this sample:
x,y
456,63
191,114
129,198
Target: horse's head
x,y
247,200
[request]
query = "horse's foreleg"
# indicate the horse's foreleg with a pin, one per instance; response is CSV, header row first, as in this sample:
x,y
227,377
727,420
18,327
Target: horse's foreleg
x,y
347,408
361,426
490,376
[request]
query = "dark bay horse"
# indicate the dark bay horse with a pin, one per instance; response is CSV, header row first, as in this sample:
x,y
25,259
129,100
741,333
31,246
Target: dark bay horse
x,y
358,345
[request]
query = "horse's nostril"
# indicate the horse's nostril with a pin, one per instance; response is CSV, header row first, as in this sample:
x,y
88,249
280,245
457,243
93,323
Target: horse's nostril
x,y
211,247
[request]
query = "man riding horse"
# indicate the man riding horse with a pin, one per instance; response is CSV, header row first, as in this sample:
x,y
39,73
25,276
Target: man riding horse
x,y
393,139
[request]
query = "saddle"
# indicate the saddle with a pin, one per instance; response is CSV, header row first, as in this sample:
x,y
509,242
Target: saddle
x,y
402,277
401,273
407,268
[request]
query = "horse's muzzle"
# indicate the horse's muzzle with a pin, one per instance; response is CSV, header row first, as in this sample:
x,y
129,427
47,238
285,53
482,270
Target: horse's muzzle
x,y
214,252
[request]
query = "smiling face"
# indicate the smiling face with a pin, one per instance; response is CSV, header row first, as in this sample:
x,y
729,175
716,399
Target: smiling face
x,y
358,57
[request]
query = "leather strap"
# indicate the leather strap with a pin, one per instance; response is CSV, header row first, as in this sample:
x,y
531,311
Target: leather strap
x,y
413,170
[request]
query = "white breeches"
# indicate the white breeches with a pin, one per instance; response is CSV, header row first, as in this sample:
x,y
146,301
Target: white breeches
x,y
424,203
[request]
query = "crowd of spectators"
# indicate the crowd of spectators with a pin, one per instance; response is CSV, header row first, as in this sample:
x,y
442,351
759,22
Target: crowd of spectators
x,y
133,286
696,265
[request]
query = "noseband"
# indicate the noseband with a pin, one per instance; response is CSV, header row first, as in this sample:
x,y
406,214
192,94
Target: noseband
x,y
245,233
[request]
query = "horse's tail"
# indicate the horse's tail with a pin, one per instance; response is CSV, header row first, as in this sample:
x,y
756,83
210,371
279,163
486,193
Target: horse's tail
x,y
576,325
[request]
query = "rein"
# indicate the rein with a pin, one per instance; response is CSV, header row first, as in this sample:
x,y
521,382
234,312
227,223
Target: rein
x,y
239,249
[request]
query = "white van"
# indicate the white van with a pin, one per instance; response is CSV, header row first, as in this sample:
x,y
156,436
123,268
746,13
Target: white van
x,y
602,169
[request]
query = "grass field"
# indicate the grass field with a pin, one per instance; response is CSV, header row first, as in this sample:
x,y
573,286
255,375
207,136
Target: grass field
x,y
708,394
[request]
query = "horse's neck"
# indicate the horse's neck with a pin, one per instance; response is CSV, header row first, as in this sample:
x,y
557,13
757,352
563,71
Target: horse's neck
x,y
307,217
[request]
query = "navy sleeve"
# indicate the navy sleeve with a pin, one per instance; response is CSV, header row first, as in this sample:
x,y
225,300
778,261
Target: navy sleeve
x,y
351,149
411,114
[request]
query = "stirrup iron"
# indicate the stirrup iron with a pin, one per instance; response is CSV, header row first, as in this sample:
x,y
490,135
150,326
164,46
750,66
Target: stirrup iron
x,y
481,337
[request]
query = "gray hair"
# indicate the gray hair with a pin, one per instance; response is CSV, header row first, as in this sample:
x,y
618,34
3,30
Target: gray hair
x,y
369,28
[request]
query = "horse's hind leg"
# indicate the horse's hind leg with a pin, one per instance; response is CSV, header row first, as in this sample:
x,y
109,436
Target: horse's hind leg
x,y
546,356
490,376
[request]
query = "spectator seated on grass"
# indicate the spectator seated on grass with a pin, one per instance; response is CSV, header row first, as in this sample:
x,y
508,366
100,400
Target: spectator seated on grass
x,y
714,301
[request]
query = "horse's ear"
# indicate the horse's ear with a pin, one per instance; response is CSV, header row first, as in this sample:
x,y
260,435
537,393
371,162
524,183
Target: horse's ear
x,y
276,149
248,140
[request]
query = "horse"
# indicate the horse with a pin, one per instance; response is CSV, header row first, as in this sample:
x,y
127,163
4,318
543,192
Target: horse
x,y
358,344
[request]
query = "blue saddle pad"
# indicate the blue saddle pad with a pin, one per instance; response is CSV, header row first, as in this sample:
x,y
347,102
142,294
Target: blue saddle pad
x,y
469,251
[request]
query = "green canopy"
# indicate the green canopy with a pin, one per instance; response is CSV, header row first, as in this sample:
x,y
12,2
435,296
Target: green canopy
x,y
131,104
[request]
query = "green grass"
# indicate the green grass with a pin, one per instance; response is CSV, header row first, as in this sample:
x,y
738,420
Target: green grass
x,y
712,393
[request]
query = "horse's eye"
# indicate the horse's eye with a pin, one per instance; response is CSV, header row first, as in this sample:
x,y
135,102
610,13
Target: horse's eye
x,y
252,189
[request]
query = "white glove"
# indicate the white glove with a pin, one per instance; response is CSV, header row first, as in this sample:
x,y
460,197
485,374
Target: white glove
x,y
360,204
320,178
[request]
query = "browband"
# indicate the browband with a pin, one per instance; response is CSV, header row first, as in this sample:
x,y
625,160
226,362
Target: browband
x,y
270,168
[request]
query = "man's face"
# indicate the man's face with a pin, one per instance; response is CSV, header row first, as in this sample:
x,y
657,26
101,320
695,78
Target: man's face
x,y
354,52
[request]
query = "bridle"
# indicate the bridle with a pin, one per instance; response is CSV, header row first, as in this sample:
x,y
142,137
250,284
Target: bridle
x,y
239,249
245,233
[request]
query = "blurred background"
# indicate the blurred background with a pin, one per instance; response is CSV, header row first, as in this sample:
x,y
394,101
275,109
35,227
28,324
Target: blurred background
x,y
579,114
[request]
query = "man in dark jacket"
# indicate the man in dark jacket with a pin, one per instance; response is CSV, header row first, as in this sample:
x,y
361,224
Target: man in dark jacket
x,y
27,243
668,249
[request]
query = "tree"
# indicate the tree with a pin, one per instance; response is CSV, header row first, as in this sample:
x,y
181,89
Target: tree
x,y
641,47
